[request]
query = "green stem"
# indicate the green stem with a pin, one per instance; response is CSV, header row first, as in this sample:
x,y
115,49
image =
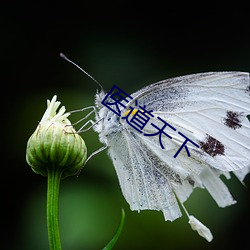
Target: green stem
x,y
54,177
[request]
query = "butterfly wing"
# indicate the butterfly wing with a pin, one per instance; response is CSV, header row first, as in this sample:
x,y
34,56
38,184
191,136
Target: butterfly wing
x,y
137,167
209,108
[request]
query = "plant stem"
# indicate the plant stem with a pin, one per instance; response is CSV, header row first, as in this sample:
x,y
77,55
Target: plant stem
x,y
54,177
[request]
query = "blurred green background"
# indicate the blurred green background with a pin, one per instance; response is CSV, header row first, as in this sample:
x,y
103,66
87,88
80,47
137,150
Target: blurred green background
x,y
119,43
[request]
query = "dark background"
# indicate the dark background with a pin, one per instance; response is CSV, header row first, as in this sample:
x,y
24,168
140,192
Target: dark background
x,y
130,44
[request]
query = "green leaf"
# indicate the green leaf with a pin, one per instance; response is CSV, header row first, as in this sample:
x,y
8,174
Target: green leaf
x,y
117,234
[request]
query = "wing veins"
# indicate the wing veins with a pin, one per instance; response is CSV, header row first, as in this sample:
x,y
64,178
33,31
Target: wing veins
x,y
144,184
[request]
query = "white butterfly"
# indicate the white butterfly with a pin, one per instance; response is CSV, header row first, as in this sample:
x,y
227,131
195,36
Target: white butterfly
x,y
211,110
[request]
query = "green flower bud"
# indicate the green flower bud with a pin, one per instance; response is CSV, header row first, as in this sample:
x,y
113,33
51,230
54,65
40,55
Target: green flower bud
x,y
55,144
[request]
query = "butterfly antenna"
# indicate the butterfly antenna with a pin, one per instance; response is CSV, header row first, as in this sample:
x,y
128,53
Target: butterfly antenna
x,y
90,76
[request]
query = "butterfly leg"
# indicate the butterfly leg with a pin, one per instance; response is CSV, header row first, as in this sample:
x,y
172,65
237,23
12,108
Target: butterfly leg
x,y
86,116
92,154
81,129
96,152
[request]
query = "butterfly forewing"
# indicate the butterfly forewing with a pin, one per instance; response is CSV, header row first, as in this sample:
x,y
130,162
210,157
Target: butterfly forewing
x,y
210,108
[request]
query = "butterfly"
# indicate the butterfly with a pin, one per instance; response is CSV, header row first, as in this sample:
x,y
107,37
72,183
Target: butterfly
x,y
208,108
206,134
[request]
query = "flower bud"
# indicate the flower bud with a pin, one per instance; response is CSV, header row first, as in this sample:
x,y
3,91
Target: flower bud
x,y
55,144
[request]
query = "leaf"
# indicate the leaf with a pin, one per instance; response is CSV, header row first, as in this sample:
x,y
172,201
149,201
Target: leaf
x,y
117,234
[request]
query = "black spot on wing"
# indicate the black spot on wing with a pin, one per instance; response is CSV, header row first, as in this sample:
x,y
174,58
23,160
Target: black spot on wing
x,y
233,119
248,89
190,181
212,146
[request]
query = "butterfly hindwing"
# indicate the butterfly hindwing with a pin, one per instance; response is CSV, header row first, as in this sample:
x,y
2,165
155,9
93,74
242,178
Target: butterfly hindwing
x,y
139,172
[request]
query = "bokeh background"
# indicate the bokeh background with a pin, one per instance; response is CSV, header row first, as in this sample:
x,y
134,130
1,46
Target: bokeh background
x,y
130,44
